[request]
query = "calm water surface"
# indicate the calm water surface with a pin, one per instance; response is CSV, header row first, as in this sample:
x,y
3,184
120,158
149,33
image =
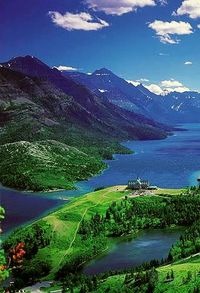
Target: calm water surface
x,y
172,163
21,207
127,252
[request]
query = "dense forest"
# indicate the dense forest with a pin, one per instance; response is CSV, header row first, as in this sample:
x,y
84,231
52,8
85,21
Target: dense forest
x,y
133,214
123,217
4,273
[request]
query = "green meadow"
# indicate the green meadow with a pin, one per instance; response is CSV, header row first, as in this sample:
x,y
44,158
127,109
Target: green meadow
x,y
60,229
60,243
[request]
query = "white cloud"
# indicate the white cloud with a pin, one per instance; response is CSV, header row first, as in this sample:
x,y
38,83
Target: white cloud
x,y
119,7
143,80
163,2
171,83
180,89
170,40
190,8
173,86
163,88
154,88
167,86
167,39
188,63
133,82
164,30
80,21
138,81
163,54
65,68
198,25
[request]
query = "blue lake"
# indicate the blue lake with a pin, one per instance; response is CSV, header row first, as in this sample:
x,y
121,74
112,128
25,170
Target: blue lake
x,y
170,163
21,207
127,252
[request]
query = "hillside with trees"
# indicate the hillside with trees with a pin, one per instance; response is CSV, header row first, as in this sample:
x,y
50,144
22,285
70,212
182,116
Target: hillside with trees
x,y
81,230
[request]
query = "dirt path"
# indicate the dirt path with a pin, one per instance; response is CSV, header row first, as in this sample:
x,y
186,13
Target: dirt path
x,y
181,260
115,188
191,256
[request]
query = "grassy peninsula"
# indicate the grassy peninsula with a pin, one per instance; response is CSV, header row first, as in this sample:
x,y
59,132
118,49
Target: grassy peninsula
x,y
45,165
58,244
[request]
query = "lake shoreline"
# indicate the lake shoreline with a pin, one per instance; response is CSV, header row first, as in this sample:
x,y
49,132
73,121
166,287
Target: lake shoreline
x,y
125,238
84,208
125,167
99,173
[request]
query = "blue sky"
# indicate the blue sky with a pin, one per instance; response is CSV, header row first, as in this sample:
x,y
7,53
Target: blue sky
x,y
136,39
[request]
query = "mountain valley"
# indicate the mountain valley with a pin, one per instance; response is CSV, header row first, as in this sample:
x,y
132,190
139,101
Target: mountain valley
x,y
38,104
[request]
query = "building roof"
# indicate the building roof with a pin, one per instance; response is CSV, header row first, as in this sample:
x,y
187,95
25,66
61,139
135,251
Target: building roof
x,y
138,181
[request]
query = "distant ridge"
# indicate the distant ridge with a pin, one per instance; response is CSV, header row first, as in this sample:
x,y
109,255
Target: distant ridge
x,y
172,108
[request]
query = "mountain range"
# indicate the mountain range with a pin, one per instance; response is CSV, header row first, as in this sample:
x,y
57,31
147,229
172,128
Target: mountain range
x,y
171,108
39,104
57,97
48,118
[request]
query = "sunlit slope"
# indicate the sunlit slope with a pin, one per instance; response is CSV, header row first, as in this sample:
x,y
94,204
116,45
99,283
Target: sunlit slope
x,y
186,279
44,165
60,242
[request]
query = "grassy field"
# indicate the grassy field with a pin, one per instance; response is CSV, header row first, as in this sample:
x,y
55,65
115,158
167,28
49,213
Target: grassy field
x,y
162,191
180,284
65,244
186,276
66,221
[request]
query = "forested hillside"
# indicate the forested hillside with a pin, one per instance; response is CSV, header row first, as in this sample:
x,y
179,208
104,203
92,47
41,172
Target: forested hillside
x,y
82,229
46,106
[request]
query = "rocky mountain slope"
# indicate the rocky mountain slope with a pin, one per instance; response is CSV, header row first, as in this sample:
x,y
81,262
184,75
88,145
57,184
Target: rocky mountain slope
x,y
37,103
44,165
45,108
172,108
